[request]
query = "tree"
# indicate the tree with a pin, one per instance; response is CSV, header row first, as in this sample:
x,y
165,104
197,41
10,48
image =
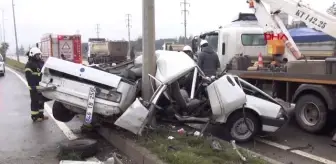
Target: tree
x,y
21,50
3,49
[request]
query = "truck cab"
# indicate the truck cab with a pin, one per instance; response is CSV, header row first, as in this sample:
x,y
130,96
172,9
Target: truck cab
x,y
243,36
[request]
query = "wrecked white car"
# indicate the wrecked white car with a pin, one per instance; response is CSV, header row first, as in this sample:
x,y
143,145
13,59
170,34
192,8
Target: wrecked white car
x,y
184,94
189,96
76,85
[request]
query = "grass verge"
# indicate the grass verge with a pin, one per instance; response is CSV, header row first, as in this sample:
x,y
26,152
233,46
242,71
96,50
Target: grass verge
x,y
15,64
185,149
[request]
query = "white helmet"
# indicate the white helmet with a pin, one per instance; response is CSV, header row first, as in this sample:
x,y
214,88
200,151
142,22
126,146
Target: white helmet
x,y
203,42
187,48
33,51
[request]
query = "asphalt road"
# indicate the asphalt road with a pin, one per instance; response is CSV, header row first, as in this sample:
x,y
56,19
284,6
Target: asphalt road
x,y
21,140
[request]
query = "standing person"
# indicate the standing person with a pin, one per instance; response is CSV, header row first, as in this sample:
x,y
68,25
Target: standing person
x,y
33,76
187,49
132,53
208,60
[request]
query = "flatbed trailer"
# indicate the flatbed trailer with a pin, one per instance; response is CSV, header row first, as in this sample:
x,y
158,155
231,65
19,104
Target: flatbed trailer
x,y
313,94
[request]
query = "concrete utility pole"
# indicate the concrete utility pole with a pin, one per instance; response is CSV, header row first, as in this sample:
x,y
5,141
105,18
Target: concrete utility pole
x,y
148,58
15,32
3,31
98,30
185,11
148,45
128,25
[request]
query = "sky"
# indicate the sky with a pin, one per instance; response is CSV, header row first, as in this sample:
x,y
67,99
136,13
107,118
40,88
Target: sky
x,y
37,17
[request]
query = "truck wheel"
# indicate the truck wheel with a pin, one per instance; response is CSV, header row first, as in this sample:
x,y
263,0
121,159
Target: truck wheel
x,y
61,113
236,126
311,113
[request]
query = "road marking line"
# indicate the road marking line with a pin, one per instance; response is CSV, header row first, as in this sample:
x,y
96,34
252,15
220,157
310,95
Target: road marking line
x,y
64,128
298,152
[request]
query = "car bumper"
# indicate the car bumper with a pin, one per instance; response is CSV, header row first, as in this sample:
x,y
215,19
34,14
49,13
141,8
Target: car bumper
x,y
272,124
2,69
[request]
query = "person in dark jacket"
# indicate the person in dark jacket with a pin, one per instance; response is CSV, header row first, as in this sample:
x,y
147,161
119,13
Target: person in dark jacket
x,y
132,53
33,76
208,60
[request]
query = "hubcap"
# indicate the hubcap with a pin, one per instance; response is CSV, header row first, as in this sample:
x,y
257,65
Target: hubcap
x,y
240,130
310,114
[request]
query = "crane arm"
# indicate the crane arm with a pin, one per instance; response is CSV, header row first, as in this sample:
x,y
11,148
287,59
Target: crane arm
x,y
272,22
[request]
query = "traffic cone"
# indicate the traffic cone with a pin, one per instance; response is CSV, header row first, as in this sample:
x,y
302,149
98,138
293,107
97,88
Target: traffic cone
x,y
260,61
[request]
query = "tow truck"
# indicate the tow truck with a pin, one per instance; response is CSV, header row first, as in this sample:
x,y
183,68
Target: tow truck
x,y
309,84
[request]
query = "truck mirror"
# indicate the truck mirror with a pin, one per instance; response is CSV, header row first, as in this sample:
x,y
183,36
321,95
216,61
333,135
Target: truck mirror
x,y
223,48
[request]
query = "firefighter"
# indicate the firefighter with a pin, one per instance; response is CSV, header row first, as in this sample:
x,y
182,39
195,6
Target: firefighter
x,y
187,49
33,76
208,60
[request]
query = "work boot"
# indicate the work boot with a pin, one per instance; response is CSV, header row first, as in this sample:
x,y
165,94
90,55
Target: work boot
x,y
37,118
42,116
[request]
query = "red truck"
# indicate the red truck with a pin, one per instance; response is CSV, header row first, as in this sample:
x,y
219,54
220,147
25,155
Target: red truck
x,y
68,45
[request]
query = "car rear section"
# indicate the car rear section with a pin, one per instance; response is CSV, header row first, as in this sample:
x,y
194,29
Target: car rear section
x,y
73,92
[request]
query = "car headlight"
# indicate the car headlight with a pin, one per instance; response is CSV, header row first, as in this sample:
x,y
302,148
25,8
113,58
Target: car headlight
x,y
108,95
281,114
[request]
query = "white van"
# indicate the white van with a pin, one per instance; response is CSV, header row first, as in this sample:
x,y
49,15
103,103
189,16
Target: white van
x,y
2,66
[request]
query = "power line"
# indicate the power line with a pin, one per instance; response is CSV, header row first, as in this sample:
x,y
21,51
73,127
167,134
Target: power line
x,y
98,30
128,25
3,25
185,11
15,32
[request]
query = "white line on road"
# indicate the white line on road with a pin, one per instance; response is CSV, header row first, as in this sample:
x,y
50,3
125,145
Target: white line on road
x,y
65,129
298,152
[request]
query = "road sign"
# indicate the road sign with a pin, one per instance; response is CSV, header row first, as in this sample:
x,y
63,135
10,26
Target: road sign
x,y
66,46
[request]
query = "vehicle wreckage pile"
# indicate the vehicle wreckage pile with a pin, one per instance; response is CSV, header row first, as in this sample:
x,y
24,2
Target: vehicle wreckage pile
x,y
182,94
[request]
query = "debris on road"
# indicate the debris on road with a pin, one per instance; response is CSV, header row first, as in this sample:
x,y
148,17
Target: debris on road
x,y
108,161
237,151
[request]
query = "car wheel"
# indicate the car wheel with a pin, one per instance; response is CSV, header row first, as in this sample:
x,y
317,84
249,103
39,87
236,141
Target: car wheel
x,y
61,113
237,127
311,113
83,147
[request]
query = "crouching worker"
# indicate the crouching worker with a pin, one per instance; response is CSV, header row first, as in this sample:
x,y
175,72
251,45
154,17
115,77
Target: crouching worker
x,y
33,76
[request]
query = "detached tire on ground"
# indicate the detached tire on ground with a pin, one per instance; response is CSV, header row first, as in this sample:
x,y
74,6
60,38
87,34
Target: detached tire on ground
x,y
82,147
236,127
61,113
311,113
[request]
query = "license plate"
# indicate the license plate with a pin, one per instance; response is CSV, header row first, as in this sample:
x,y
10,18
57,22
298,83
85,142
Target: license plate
x,y
90,104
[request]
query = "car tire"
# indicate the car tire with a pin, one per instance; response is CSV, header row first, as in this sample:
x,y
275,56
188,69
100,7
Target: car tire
x,y
83,147
61,113
303,117
236,123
